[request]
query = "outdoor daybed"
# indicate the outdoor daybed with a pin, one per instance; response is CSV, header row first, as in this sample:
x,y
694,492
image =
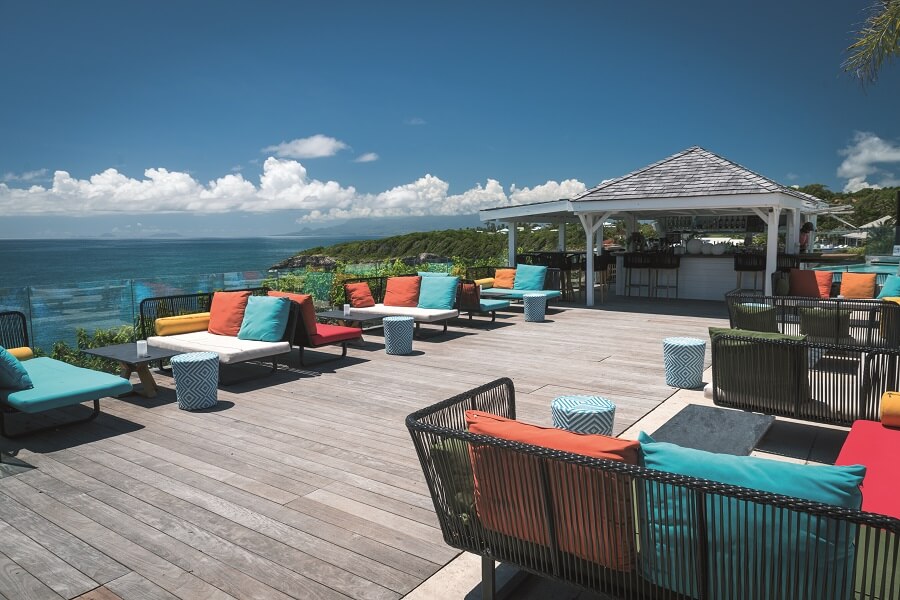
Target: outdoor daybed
x,y
425,298
35,385
645,519
515,282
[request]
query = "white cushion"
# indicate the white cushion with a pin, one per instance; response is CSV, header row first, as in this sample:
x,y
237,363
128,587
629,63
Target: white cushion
x,y
230,349
425,315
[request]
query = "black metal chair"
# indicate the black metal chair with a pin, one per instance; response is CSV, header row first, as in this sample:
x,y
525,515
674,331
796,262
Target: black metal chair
x,y
636,265
669,265
750,262
13,329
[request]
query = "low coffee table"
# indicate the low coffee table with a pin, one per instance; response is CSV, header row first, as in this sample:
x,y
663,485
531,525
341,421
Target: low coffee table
x,y
129,362
720,430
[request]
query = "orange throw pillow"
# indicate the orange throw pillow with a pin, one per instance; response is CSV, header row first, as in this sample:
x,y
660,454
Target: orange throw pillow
x,y
858,285
402,291
227,312
359,295
509,493
307,308
504,278
810,284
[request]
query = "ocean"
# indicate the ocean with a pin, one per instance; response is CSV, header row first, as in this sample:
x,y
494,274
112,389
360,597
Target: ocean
x,y
52,262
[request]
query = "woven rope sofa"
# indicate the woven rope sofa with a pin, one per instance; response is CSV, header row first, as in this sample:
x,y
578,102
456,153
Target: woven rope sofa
x,y
486,278
379,289
627,531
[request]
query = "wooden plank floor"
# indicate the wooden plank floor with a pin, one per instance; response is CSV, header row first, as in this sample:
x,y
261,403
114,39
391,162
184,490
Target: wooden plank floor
x,y
303,484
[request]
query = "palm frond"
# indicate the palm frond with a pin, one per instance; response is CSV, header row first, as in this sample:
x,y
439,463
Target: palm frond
x,y
877,41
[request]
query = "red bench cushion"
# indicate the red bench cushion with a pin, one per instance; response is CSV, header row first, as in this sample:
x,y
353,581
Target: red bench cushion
x,y
877,447
307,308
359,295
332,334
227,312
402,291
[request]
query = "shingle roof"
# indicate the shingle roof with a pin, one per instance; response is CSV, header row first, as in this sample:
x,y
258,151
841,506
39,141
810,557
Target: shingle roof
x,y
691,172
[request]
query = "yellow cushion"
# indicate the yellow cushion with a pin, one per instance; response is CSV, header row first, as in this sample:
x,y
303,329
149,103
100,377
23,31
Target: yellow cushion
x,y
890,409
858,285
22,353
486,282
182,324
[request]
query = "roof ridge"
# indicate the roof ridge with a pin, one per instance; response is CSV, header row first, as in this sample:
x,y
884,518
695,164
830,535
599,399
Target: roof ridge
x,y
637,172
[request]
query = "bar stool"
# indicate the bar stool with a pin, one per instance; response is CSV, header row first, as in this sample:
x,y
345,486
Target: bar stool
x,y
750,262
669,264
635,264
603,264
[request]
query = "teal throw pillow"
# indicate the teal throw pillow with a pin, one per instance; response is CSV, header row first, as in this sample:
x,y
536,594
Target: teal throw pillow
x,y
438,292
529,277
13,375
265,319
755,317
779,547
891,287
432,274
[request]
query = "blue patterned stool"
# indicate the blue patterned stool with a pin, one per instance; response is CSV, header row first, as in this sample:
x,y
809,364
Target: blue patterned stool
x,y
535,307
196,379
683,358
398,334
583,414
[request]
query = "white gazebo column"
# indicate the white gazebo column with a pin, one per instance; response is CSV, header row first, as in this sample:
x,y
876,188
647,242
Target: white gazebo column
x,y
771,247
590,223
792,235
511,237
561,244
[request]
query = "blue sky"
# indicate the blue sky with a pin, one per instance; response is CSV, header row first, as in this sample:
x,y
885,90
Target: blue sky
x,y
265,117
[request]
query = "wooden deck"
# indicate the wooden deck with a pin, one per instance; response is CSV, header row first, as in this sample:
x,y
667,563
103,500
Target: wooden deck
x,y
303,484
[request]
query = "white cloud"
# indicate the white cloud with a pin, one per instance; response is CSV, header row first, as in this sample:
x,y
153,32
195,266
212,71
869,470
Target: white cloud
x,y
283,185
25,177
861,160
317,146
367,157
415,121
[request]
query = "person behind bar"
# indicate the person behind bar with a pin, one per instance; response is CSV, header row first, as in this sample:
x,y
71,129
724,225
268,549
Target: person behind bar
x,y
804,236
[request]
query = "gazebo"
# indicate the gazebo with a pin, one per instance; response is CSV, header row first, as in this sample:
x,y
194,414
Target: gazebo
x,y
693,182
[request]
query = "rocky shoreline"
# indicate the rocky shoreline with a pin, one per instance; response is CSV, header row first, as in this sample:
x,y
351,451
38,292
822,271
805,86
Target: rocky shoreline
x,y
327,263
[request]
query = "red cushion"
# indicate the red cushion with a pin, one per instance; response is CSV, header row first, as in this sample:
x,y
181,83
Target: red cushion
x,y
877,447
331,334
810,284
402,291
509,497
359,295
227,312
307,308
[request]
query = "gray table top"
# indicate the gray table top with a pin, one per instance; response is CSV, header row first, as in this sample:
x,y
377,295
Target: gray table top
x,y
127,353
339,315
721,430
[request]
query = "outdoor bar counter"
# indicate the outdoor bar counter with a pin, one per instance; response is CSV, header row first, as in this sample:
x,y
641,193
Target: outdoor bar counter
x,y
700,277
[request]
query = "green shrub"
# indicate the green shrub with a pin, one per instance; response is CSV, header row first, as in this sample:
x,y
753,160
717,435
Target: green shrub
x,y
101,337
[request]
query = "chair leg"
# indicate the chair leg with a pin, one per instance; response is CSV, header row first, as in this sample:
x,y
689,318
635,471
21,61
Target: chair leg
x,y
12,436
488,578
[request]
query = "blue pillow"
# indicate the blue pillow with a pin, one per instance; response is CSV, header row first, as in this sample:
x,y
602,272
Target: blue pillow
x,y
529,277
432,274
802,548
13,375
265,319
891,287
438,292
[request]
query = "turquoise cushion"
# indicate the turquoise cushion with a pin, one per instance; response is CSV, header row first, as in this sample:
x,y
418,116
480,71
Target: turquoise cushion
x,y
745,539
438,292
432,274
58,384
891,287
13,375
529,277
265,318
519,293
487,305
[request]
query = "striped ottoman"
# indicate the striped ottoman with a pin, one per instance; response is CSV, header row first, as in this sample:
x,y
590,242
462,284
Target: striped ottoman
x,y
398,334
683,358
535,307
583,414
196,379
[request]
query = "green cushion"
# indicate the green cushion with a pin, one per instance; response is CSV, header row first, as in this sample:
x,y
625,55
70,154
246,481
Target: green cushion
x,y
529,277
438,292
757,335
265,318
830,323
755,317
783,286
803,548
454,469
13,375
58,384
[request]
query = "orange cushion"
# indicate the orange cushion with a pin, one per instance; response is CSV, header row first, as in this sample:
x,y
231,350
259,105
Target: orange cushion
x,y
810,284
227,312
858,285
504,278
307,308
402,291
359,295
509,497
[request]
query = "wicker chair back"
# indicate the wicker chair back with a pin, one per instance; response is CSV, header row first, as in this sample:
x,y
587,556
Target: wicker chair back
x,y
13,329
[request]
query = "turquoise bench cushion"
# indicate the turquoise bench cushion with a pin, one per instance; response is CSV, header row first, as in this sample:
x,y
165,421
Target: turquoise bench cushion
x,y
521,293
487,305
438,292
58,384
529,277
265,319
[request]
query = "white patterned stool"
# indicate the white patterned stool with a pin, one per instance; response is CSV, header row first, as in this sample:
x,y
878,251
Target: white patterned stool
x,y
683,358
196,379
398,334
583,414
535,307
